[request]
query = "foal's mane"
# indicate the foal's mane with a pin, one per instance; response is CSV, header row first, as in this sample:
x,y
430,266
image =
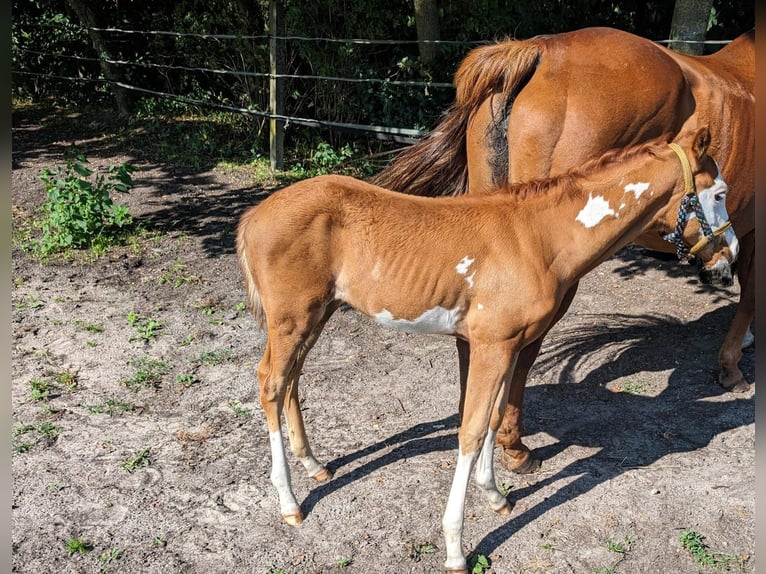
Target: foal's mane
x,y
567,181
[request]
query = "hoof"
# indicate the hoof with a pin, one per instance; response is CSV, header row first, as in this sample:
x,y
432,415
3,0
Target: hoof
x,y
456,571
530,465
735,384
293,519
505,509
322,475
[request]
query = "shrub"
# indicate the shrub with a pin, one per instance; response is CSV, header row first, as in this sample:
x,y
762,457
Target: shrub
x,y
79,212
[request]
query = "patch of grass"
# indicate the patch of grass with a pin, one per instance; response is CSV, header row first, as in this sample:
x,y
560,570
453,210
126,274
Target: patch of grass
x,y
186,380
86,326
239,410
78,545
633,388
212,358
694,543
620,547
41,431
417,551
31,301
342,562
40,389
139,460
176,275
111,407
66,378
110,556
148,373
146,329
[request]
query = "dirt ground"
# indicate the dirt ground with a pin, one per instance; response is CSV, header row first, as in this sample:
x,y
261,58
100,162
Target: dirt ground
x,y
152,450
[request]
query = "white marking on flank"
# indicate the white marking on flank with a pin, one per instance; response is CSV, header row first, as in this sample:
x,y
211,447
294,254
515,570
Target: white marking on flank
x,y
594,211
438,321
480,306
637,188
464,264
463,267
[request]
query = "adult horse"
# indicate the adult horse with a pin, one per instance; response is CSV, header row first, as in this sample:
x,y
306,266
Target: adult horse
x,y
534,108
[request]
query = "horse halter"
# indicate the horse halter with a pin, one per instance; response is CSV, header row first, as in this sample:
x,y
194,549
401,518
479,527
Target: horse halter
x,y
691,203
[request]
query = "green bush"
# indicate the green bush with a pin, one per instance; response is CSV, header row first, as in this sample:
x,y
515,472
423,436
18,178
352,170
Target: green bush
x,y
79,212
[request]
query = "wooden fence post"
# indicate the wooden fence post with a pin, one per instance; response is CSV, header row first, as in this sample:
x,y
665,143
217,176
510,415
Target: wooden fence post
x,y
276,101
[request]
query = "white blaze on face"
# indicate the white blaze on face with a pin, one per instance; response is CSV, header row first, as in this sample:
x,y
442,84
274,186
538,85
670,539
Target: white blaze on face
x,y
594,211
637,188
463,267
437,321
713,203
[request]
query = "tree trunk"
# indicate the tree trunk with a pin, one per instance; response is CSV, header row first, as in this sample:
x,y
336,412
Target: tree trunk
x,y
690,23
427,25
91,19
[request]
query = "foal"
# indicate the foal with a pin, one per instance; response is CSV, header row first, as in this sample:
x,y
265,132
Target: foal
x,y
490,270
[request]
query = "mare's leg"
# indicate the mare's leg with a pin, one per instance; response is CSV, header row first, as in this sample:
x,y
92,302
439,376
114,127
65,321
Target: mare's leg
x,y
299,443
729,376
489,364
516,455
485,468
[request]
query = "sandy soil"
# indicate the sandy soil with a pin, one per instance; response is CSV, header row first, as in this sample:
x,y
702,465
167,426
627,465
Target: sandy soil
x,y
153,451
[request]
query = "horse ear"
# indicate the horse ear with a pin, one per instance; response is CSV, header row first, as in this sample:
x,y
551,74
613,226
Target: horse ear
x,y
701,141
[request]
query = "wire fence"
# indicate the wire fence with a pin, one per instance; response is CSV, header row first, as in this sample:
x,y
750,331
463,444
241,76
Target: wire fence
x,y
397,134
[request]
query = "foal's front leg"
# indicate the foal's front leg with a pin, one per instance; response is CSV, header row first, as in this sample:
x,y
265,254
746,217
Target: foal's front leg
x,y
489,365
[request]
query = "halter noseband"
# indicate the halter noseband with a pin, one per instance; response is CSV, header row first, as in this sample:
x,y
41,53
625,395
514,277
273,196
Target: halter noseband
x,y
690,203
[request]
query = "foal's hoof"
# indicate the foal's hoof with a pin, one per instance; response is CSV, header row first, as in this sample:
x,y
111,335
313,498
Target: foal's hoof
x,y
530,465
456,571
322,475
293,519
505,509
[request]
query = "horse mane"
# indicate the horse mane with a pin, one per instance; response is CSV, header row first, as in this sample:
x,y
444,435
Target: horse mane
x,y
567,181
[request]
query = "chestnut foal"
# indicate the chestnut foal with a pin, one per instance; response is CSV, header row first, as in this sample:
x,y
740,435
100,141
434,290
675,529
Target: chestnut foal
x,y
490,270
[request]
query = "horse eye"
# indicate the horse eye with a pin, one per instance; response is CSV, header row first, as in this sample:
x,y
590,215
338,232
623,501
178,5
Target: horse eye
x,y
720,196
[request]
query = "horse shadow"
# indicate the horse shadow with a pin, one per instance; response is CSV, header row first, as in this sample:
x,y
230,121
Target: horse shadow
x,y
626,429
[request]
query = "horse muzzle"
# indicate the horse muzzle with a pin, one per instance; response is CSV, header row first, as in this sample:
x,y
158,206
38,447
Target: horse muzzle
x,y
720,273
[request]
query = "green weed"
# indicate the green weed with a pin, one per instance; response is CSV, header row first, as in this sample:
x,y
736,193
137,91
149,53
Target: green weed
x,y
149,373
694,543
112,407
139,460
419,550
478,563
342,562
212,358
79,212
78,545
239,410
146,329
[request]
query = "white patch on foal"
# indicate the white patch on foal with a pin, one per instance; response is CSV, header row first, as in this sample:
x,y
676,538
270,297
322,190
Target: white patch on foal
x,y
594,211
438,321
462,268
637,188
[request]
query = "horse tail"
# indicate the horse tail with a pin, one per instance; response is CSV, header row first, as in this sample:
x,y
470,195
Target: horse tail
x,y
438,164
253,297
435,165
503,67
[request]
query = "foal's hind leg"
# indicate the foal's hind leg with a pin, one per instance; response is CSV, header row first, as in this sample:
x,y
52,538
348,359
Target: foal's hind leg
x,y
289,341
296,429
